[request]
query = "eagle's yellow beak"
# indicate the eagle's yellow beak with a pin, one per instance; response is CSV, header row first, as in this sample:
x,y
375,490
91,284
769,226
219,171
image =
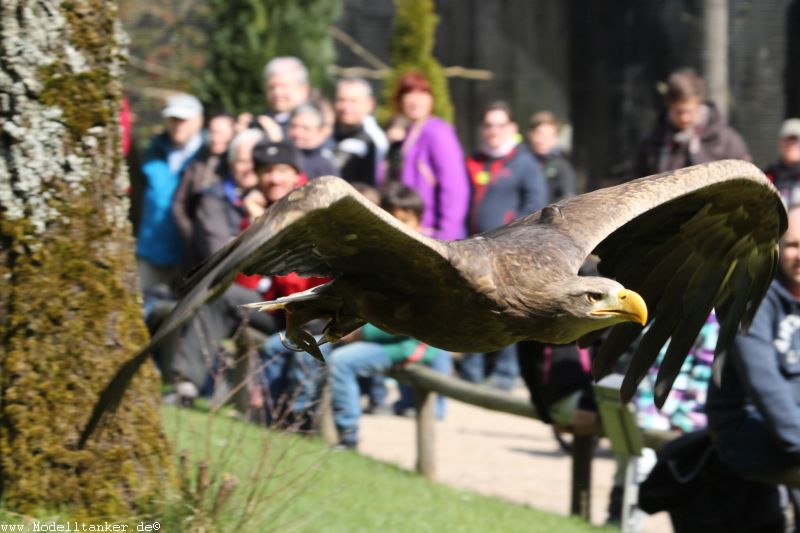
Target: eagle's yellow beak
x,y
631,306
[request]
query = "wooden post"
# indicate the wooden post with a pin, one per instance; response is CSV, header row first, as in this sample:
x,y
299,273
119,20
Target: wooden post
x,y
425,403
716,52
240,375
582,453
327,427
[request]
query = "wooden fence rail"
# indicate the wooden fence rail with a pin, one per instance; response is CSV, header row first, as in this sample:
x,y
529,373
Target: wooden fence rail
x,y
426,381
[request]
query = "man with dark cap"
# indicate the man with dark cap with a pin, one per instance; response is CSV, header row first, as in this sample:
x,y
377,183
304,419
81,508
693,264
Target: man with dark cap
x,y
278,170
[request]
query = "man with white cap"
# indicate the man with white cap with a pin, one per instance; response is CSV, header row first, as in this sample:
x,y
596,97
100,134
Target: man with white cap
x,y
785,174
158,245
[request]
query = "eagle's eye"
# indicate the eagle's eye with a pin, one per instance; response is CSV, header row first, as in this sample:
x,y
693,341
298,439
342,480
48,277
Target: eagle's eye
x,y
594,297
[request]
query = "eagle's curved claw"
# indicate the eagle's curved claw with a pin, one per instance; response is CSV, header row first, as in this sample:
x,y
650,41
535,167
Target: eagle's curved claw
x,y
288,344
303,341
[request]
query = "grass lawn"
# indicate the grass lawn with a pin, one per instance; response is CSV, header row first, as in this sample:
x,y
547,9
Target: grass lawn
x,y
292,483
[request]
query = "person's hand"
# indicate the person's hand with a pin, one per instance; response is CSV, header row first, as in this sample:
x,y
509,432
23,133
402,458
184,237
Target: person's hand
x,y
272,129
256,397
243,122
255,203
583,422
353,336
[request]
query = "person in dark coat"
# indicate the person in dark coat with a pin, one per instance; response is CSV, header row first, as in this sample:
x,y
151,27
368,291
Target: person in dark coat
x,y
355,150
691,132
543,131
266,172
220,208
207,169
754,414
507,183
307,133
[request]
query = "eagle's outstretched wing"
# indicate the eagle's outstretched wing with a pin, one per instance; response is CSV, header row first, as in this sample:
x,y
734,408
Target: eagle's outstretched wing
x,y
689,241
324,228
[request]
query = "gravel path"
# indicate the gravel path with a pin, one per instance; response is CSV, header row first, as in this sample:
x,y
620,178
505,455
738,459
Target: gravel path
x,y
498,455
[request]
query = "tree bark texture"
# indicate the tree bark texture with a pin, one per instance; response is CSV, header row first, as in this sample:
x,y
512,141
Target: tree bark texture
x,y
69,306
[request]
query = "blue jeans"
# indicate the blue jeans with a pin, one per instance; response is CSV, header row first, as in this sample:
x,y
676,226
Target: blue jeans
x,y
292,377
504,371
442,363
374,387
346,364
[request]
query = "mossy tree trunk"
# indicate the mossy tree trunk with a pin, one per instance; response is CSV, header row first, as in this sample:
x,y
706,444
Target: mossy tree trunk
x,y
69,311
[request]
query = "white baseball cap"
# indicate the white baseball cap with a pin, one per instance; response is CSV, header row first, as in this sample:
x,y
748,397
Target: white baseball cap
x,y
790,128
182,106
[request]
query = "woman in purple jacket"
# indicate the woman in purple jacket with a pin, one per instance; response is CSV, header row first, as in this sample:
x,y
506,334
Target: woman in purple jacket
x,y
432,160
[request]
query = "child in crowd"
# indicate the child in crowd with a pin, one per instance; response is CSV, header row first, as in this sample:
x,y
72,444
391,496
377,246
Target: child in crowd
x,y
369,350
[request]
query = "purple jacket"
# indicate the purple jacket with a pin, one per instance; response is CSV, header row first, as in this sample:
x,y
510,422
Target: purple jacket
x,y
433,165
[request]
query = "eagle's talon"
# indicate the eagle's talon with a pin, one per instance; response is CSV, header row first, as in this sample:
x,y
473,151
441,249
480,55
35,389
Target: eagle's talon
x,y
289,344
303,341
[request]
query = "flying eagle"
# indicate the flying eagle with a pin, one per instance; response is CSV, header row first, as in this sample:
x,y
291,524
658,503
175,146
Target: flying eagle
x,y
685,242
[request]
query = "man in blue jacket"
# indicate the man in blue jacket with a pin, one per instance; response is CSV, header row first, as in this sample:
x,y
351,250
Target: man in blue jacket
x,y
755,413
158,244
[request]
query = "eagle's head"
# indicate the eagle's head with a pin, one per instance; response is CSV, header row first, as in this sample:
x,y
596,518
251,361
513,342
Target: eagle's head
x,y
587,303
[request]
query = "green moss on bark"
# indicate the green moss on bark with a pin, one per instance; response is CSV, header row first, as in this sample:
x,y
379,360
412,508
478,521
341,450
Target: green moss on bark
x,y
84,98
72,321
91,24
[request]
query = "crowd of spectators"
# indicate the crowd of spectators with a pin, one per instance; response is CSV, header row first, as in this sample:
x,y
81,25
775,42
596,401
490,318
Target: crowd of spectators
x,y
199,188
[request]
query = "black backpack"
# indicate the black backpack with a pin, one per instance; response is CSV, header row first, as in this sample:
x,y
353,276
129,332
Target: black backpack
x,y
701,494
553,372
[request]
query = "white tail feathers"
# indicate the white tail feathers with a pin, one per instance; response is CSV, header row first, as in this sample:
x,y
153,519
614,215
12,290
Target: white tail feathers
x,y
280,303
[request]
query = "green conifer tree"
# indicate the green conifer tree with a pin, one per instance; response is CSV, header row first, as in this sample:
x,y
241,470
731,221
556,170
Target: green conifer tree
x,y
413,35
301,28
248,33
232,80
